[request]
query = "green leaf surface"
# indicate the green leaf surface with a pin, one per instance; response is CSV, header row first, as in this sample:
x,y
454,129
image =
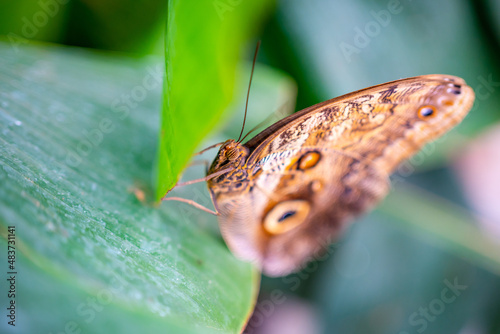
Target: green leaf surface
x,y
77,142
204,45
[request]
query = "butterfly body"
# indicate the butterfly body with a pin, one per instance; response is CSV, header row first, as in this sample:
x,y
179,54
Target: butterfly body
x,y
292,188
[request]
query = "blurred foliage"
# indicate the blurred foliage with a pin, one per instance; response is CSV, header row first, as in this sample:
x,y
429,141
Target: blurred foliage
x,y
126,25
392,264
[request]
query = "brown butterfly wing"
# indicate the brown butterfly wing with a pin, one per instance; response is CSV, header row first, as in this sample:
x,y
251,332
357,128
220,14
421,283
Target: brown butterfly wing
x,y
315,169
368,121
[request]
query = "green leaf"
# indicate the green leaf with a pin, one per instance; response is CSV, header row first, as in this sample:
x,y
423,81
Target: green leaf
x,y
126,25
77,142
24,20
203,46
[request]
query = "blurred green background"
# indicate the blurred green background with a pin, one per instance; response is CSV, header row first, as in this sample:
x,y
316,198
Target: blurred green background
x,y
426,261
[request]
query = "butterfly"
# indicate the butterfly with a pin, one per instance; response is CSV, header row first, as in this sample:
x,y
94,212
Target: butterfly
x,y
286,194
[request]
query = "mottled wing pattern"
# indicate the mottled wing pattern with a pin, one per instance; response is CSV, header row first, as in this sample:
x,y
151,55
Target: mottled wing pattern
x,y
366,122
329,162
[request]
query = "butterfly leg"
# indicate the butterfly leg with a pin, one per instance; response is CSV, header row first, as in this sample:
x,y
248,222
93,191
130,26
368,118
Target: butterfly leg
x,y
208,148
196,205
214,203
191,202
206,178
204,162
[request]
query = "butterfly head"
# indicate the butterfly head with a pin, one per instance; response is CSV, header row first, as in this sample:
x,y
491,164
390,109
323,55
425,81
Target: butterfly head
x,y
231,154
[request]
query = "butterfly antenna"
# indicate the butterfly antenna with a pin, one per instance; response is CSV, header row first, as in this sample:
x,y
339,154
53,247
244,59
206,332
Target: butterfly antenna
x,y
277,115
248,92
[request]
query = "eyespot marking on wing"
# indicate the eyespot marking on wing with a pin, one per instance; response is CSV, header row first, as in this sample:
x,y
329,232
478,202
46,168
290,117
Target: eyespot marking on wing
x,y
309,160
286,216
427,112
